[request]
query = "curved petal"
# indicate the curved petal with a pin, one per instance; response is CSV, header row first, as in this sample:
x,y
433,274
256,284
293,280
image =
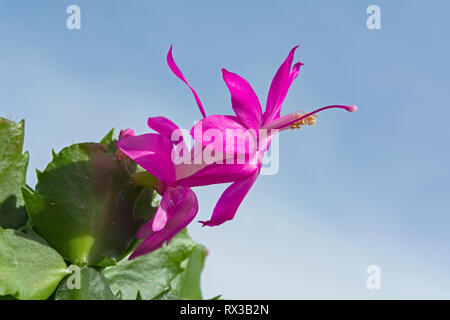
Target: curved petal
x,y
230,201
235,137
165,127
165,205
280,87
174,68
160,218
220,122
126,133
244,100
179,216
152,152
123,134
219,173
294,73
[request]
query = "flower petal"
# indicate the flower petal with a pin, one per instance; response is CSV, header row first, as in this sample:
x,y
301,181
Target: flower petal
x,y
123,134
160,218
294,73
230,130
152,152
164,127
170,194
219,173
126,133
230,201
244,100
280,87
174,68
179,216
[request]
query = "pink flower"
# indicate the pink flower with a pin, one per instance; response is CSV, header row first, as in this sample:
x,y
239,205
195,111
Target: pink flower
x,y
179,203
202,173
249,117
153,152
123,134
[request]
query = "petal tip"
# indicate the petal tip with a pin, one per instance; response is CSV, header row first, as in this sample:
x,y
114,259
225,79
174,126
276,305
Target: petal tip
x,y
205,223
294,48
126,133
352,108
169,56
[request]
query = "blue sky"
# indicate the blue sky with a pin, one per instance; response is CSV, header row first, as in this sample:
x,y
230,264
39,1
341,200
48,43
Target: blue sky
x,y
354,190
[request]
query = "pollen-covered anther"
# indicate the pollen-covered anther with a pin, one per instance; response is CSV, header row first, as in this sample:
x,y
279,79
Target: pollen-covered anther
x,y
310,121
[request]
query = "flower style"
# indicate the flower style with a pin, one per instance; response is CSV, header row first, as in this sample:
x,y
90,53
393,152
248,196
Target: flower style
x,y
249,117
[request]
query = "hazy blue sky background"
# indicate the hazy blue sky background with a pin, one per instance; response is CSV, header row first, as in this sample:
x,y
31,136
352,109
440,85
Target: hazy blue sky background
x,y
357,189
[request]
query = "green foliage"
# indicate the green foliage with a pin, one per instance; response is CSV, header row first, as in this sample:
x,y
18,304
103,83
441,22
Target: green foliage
x,y
13,168
29,231
108,139
153,274
28,268
109,142
146,205
187,283
85,192
92,286
85,209
168,295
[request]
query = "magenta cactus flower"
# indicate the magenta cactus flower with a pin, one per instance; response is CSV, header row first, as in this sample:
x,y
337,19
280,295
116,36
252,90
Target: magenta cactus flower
x,y
154,152
179,203
249,118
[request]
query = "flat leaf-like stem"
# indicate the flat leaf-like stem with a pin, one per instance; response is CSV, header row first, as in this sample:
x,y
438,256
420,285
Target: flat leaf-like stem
x,y
13,169
84,205
29,269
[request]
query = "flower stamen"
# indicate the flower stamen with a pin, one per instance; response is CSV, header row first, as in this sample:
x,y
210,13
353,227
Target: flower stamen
x,y
304,121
